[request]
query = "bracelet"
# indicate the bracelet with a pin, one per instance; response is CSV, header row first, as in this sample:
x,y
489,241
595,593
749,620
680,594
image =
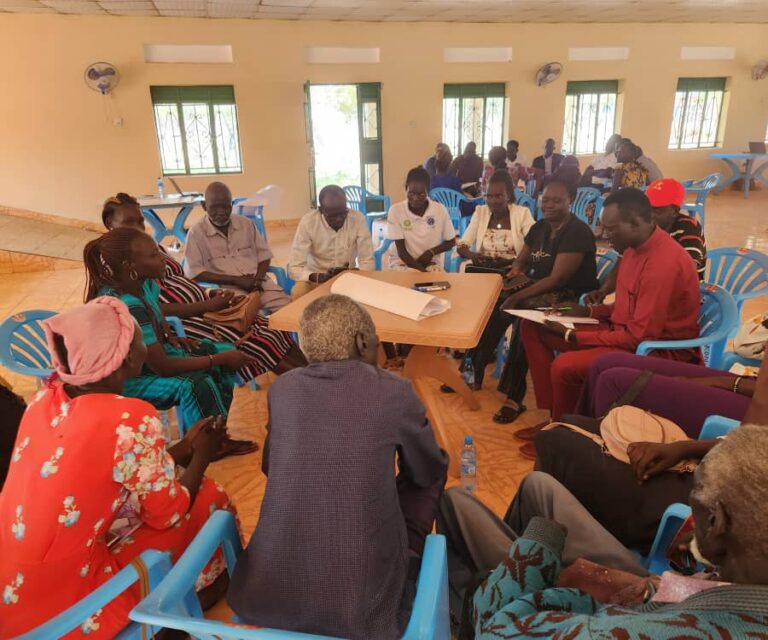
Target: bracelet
x,y
210,362
736,383
567,335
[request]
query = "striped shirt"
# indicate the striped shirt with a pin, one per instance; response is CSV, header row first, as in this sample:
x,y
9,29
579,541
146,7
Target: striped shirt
x,y
687,232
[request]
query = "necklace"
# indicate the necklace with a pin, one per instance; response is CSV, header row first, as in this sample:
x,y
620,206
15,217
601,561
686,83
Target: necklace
x,y
496,221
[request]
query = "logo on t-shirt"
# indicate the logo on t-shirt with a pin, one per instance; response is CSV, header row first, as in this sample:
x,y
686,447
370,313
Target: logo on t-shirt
x,y
431,221
406,225
540,254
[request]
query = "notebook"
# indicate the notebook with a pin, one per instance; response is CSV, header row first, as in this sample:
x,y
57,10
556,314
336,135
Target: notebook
x,y
539,316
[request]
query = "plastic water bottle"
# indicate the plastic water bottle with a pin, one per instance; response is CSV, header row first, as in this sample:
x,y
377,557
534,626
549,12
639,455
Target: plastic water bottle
x,y
380,237
160,187
468,371
468,465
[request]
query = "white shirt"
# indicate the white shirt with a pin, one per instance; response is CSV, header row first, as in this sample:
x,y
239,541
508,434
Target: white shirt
x,y
548,165
604,161
520,222
521,161
420,233
317,248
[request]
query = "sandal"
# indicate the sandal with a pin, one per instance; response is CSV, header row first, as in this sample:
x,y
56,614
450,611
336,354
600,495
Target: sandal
x,y
508,414
232,447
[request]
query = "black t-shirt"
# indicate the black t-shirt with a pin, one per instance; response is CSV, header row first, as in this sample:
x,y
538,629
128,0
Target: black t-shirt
x,y
574,237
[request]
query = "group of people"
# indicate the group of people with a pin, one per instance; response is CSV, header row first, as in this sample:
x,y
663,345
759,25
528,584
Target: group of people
x,y
92,480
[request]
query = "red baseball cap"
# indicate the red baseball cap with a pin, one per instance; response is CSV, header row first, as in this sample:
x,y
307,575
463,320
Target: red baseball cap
x,y
664,192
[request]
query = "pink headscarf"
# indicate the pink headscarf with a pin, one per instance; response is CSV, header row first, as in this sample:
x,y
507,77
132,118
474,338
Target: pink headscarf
x,y
97,337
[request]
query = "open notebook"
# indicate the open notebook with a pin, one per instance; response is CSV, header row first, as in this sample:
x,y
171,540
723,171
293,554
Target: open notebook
x,y
540,317
401,301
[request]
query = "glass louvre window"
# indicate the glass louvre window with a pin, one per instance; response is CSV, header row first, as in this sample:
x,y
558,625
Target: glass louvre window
x,y
473,113
590,116
197,129
696,114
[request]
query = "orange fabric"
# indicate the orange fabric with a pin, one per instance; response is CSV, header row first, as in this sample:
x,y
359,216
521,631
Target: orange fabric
x,y
75,464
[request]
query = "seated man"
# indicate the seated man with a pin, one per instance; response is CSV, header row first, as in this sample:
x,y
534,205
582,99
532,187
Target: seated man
x,y
666,197
228,250
657,298
329,240
546,164
521,598
599,172
337,530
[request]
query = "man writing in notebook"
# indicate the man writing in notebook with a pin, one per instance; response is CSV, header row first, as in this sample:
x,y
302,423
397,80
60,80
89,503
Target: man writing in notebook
x,y
657,298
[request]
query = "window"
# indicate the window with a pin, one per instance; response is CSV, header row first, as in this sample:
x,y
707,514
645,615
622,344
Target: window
x,y
473,113
696,116
590,115
197,129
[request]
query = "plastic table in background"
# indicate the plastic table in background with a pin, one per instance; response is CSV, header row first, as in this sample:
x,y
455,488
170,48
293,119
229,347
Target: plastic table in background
x,y
754,167
472,296
150,205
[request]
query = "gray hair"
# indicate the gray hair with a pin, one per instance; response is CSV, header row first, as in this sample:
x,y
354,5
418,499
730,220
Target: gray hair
x,y
329,325
735,474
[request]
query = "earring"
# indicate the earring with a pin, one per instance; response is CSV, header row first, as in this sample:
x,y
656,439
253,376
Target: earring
x,y
133,274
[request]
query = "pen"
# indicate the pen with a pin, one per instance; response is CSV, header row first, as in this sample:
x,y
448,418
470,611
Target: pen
x,y
554,308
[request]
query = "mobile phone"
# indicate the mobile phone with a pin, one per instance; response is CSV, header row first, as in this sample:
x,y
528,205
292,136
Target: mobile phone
x,y
432,286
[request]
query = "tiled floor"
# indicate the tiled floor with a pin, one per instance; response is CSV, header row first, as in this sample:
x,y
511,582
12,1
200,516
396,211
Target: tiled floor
x,y
731,221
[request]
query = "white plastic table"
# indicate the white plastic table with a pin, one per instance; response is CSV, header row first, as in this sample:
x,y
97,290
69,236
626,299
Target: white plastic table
x,y
184,205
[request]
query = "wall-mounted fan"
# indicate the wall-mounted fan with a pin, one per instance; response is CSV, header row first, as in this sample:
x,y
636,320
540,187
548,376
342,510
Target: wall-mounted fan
x,y
760,70
548,73
102,77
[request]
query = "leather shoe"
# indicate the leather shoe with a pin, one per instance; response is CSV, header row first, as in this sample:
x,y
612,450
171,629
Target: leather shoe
x,y
529,433
528,450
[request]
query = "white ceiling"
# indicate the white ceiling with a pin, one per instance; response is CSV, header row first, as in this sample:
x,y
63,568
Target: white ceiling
x,y
751,11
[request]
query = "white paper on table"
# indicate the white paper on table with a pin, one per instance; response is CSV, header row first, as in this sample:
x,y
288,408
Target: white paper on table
x,y
401,301
539,316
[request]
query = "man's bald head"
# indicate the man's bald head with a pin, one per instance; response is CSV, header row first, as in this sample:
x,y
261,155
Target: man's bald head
x,y
218,204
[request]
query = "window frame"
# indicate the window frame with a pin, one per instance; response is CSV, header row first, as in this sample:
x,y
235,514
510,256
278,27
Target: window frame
x,y
687,86
580,88
211,96
482,91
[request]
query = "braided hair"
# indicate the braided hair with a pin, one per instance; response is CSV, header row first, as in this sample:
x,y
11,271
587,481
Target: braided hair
x,y
106,257
111,205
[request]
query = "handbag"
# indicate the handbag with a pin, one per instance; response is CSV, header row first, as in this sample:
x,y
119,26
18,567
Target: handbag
x,y
625,424
239,315
751,339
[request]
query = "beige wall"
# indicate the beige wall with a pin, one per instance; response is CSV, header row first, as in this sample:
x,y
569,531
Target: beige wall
x,y
61,154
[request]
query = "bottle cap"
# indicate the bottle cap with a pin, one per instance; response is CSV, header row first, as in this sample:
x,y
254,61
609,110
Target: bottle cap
x,y
467,440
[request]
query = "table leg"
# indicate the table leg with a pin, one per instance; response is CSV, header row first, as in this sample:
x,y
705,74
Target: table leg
x,y
747,177
759,173
736,173
159,230
424,362
178,224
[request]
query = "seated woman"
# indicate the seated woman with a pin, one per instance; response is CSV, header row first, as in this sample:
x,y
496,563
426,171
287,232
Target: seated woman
x,y
521,597
630,500
555,264
497,161
421,228
629,172
339,532
196,375
269,349
84,453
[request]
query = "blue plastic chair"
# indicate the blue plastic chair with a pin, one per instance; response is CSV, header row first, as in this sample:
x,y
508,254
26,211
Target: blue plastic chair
x,y
254,214
452,200
358,198
530,188
158,565
606,261
717,318
524,200
174,604
449,264
23,347
676,514
730,358
700,189
741,272
584,197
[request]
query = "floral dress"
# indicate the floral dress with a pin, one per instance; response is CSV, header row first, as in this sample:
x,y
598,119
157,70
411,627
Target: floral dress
x,y
76,463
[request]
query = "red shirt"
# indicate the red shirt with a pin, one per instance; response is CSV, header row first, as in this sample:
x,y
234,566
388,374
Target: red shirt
x,y
657,298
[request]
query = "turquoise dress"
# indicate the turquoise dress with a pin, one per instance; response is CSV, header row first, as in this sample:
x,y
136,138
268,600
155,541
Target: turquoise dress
x,y
199,394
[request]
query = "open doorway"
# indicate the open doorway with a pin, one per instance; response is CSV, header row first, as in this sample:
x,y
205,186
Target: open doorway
x,y
344,134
